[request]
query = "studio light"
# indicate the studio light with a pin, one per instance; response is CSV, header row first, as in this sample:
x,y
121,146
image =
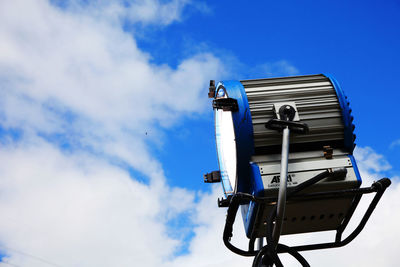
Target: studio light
x,y
300,128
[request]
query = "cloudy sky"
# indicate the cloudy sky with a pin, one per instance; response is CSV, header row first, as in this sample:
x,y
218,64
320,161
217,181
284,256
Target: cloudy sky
x,y
106,129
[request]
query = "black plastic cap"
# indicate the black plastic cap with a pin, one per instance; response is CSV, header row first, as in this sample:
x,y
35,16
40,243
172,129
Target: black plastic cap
x,y
382,183
211,89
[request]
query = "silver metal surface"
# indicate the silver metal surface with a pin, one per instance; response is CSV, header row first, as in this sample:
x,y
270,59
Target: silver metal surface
x,y
301,167
316,101
308,215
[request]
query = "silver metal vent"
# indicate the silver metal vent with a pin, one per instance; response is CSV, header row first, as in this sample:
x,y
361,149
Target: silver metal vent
x,y
316,101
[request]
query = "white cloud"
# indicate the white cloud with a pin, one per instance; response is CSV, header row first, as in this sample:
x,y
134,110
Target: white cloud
x,y
395,143
146,12
75,210
57,64
207,247
72,75
278,68
371,162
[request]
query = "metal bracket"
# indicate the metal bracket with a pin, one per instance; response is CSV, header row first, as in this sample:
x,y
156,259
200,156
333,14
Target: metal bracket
x,y
212,177
224,202
226,104
211,89
279,125
378,187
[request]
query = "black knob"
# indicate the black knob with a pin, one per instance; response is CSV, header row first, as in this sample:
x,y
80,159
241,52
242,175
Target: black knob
x,y
287,112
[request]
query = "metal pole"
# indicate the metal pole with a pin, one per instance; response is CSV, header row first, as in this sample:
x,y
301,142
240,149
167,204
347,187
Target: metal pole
x,y
260,243
282,186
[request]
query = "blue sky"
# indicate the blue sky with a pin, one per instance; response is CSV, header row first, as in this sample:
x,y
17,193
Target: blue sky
x,y
354,41
106,128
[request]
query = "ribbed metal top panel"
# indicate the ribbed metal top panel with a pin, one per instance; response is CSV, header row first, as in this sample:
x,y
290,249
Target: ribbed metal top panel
x,y
316,101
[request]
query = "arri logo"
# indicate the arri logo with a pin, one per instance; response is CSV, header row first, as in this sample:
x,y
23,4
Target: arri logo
x,y
276,178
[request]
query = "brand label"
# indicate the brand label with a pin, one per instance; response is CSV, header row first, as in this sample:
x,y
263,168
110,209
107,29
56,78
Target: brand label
x,y
276,180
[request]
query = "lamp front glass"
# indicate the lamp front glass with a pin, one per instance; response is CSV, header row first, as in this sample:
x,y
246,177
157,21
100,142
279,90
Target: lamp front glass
x,y
226,149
